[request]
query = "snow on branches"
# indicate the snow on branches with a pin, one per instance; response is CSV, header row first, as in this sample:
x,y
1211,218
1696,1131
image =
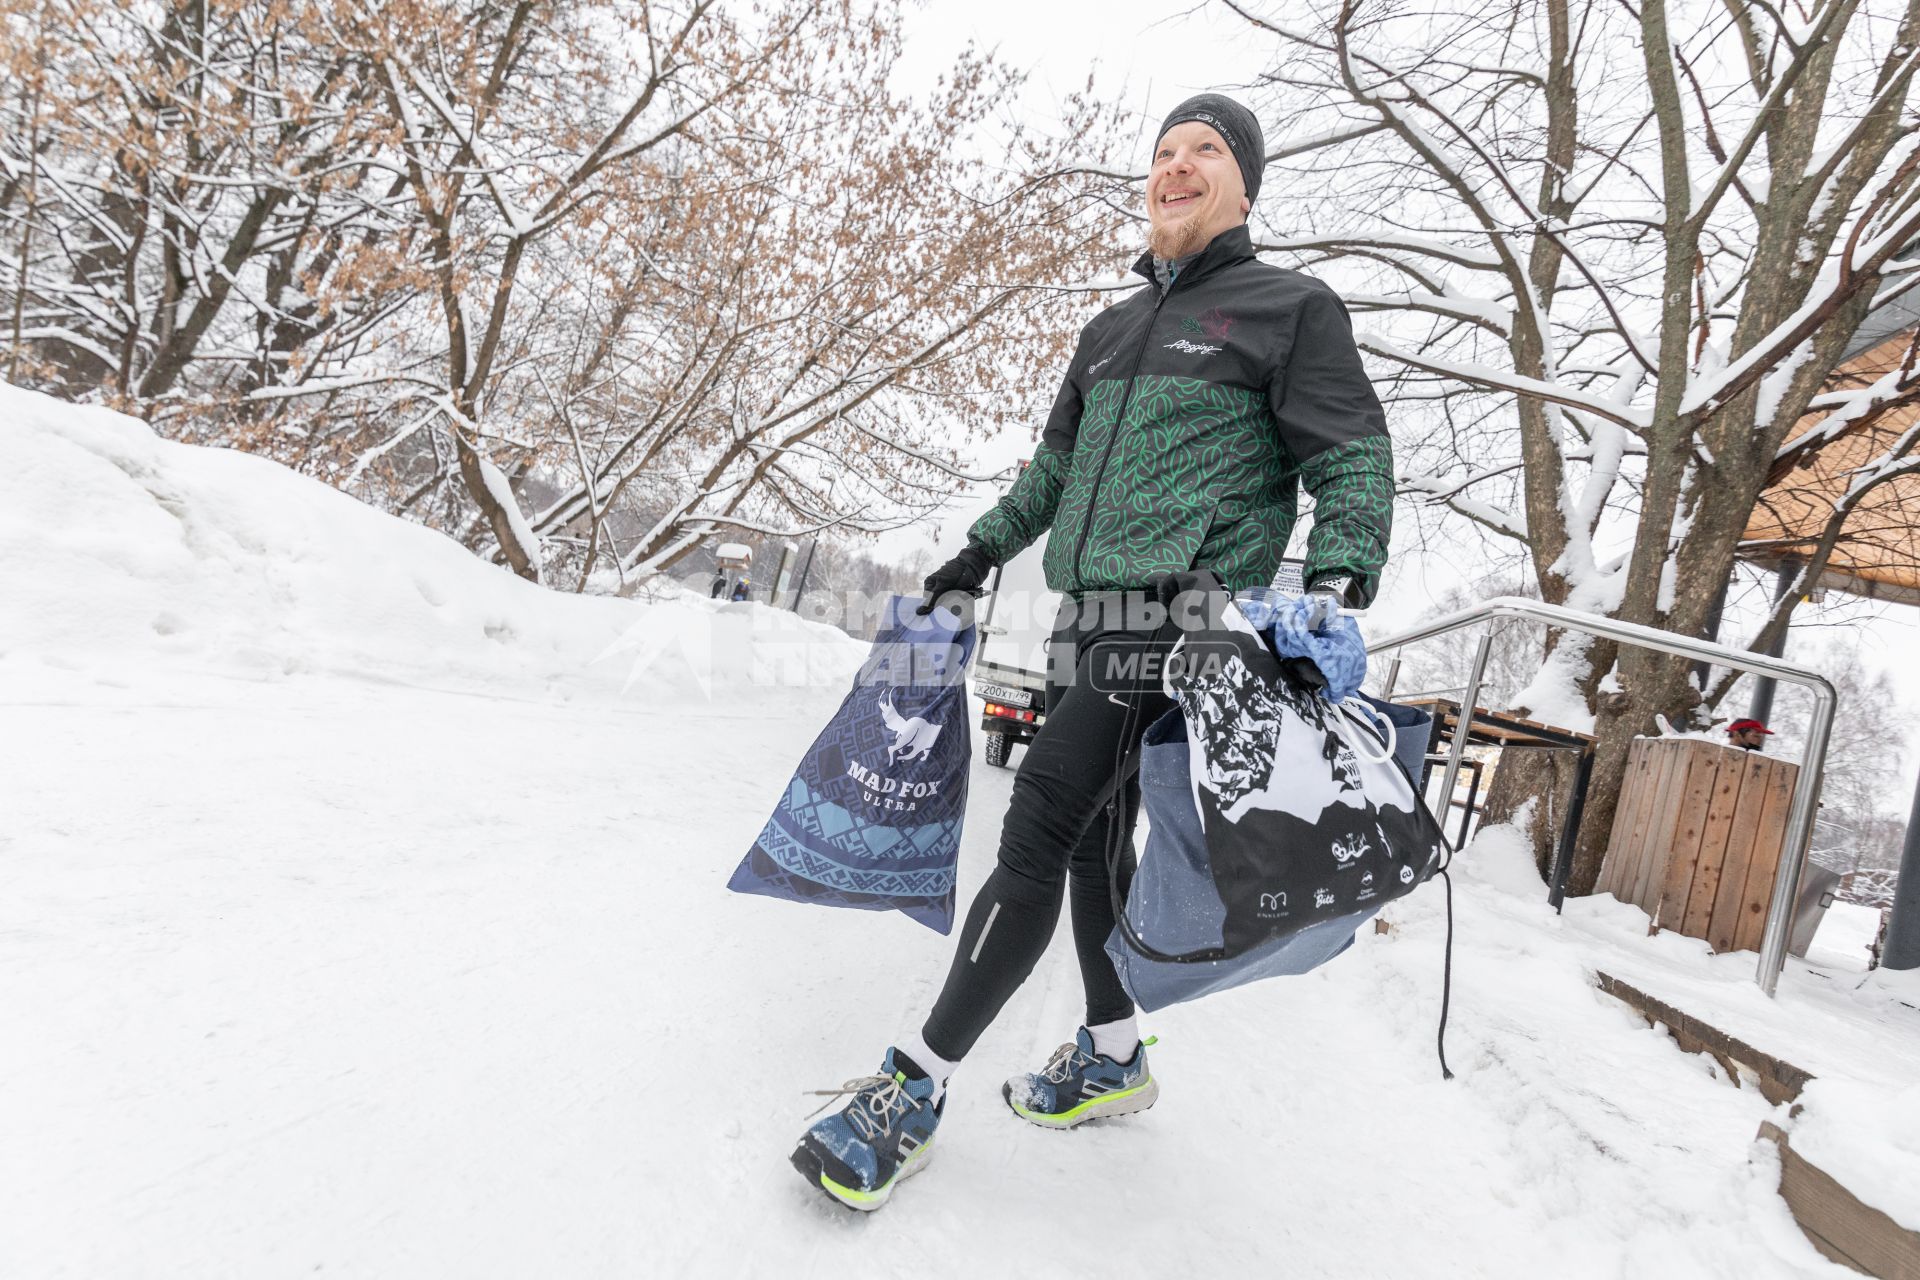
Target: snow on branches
x,y
1612,258
567,281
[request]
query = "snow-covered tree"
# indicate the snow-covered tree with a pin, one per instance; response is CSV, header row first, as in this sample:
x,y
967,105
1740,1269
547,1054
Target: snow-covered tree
x,y
571,281
180,186
1609,255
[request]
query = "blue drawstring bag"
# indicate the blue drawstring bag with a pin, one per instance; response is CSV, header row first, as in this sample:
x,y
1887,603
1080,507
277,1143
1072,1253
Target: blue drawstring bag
x,y
871,818
1279,823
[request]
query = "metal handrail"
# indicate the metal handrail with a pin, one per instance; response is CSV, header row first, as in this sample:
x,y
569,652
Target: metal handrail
x,y
1806,791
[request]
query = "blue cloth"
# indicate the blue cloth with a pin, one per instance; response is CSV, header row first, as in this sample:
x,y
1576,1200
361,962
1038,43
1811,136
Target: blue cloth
x,y
1336,648
871,818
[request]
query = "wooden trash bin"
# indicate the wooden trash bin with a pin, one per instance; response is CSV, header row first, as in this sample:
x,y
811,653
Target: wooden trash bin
x,y
1697,838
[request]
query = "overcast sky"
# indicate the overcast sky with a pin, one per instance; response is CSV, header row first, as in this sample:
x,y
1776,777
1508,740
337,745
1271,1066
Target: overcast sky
x,y
1157,53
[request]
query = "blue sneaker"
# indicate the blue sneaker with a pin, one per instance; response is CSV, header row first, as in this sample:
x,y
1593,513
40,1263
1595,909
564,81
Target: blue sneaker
x,y
1078,1085
883,1137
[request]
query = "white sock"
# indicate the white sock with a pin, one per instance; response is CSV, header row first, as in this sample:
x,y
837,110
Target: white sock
x,y
939,1068
1116,1039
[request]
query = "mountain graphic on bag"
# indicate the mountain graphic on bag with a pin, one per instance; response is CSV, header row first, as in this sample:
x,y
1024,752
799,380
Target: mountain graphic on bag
x,y
871,818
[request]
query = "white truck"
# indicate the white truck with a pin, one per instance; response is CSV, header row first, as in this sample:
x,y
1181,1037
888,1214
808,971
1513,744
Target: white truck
x,y
1015,619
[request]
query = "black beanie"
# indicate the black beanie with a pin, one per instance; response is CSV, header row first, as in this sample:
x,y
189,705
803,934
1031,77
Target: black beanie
x,y
1232,122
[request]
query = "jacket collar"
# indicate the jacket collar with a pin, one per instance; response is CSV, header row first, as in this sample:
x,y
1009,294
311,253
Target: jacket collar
x,y
1230,246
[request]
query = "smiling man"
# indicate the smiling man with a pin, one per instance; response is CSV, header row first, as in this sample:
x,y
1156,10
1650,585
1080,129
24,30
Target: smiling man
x,y
1189,416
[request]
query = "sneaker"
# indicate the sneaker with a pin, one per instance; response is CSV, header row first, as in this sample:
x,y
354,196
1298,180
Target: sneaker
x,y
1078,1085
883,1137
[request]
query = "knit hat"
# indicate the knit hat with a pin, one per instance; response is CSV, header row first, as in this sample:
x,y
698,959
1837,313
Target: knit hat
x,y
1232,122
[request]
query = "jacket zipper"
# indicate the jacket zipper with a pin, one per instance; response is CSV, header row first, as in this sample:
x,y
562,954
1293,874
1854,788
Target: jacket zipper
x,y
1119,421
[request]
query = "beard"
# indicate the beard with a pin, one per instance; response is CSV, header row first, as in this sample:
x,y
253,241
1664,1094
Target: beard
x,y
1177,239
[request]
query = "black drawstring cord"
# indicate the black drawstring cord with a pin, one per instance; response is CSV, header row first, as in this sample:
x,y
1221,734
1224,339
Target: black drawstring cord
x,y
1446,963
1446,976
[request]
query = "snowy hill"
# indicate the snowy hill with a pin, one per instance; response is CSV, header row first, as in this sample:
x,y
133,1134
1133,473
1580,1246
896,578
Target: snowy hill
x,y
363,915
120,551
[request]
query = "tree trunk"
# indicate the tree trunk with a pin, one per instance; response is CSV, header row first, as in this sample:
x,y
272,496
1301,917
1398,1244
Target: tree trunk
x,y
495,515
1531,787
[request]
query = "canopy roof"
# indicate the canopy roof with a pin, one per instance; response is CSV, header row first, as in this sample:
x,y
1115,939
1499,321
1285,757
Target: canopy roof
x,y
1878,554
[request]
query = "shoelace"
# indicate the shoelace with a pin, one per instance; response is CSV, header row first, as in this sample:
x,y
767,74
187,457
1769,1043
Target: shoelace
x,y
881,1096
1064,1060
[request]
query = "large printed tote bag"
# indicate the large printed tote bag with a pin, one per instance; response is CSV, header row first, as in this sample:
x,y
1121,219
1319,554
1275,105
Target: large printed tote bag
x,y
1278,822
871,818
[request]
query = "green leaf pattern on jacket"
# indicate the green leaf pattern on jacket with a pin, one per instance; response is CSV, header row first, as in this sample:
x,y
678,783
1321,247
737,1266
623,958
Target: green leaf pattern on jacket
x,y
1198,477
1352,488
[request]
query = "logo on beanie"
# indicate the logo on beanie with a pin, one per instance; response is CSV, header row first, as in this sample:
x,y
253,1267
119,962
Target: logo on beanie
x,y
1220,126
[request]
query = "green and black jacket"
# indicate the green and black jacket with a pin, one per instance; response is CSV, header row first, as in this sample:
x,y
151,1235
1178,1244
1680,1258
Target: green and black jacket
x,y
1189,416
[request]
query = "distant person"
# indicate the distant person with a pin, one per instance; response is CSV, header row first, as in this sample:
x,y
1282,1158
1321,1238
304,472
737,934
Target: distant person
x,y
719,586
740,589
1748,735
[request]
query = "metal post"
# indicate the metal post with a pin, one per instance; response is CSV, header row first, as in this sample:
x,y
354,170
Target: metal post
x,y
1761,706
1793,857
1903,929
784,574
1569,832
1468,700
1703,671
800,587
1393,677
1806,791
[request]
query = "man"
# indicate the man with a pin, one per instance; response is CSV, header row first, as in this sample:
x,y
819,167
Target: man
x,y
1748,735
1189,415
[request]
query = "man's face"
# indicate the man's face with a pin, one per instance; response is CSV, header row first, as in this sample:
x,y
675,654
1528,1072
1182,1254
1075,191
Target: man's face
x,y
1194,190
1749,738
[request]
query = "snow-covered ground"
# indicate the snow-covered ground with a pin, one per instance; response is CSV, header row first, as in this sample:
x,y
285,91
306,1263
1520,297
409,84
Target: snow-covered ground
x,y
362,913
1845,937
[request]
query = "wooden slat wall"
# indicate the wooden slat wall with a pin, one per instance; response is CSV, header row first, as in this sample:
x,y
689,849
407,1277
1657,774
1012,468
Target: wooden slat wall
x,y
1697,836
1740,844
1776,798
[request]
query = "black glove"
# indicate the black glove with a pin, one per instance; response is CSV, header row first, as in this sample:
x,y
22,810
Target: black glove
x,y
1168,587
965,572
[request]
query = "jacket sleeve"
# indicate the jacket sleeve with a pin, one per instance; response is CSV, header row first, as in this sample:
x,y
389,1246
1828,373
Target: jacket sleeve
x,y
1331,423
1026,510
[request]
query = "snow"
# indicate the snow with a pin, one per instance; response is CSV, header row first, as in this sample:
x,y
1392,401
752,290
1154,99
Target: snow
x,y
123,555
1553,695
1846,936
1867,1134
364,914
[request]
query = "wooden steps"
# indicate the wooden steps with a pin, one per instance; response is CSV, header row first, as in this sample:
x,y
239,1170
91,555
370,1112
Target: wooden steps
x,y
1777,1079
1853,1234
1840,1225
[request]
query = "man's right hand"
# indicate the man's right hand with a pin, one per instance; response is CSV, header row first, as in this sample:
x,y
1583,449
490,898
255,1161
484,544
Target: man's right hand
x,y
965,572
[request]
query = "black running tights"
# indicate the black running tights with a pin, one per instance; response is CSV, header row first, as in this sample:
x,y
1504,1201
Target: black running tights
x,y
1054,840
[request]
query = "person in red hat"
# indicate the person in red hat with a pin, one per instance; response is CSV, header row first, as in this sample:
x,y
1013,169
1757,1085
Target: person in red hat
x,y
1748,735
